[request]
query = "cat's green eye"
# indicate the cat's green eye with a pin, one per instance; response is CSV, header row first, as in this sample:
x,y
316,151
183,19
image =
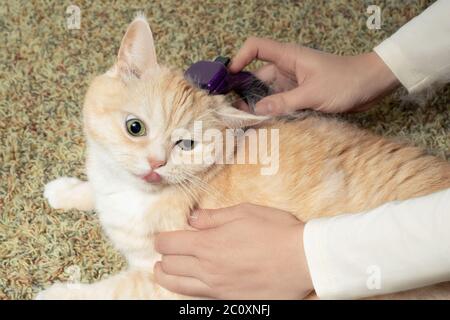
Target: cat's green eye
x,y
186,144
135,127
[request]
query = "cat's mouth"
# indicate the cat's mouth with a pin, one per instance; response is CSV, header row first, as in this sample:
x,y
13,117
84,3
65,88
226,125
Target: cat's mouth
x,y
152,177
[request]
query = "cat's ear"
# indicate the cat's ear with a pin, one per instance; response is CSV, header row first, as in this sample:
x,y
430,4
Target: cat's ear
x,y
235,118
137,53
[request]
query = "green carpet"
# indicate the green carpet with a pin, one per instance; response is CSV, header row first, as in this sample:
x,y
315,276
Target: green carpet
x,y
44,72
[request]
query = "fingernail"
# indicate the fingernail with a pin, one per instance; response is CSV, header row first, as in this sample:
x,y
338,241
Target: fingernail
x,y
264,107
193,215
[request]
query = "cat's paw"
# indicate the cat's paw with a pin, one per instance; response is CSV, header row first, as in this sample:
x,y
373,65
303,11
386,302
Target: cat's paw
x,y
60,291
67,193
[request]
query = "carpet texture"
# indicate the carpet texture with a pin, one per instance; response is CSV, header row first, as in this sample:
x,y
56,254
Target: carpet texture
x,y
45,69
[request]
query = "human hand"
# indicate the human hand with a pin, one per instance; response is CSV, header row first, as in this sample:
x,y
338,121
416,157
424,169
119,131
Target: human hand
x,y
241,252
304,78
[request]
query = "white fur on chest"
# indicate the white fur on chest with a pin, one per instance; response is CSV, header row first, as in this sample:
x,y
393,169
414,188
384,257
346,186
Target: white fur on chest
x,y
130,218
129,215
128,209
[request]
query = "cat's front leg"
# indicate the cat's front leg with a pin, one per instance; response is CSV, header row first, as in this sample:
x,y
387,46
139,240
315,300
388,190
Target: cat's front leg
x,y
69,193
130,284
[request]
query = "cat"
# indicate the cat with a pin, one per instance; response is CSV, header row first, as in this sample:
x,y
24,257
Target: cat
x,y
326,167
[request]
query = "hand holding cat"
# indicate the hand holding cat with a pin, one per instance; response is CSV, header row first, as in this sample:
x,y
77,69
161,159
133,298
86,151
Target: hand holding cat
x,y
306,78
231,255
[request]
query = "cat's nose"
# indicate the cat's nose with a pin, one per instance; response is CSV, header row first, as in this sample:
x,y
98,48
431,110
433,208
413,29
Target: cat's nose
x,y
155,163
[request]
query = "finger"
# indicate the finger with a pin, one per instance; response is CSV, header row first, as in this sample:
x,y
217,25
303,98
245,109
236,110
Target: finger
x,y
267,213
182,285
273,215
211,218
241,105
267,73
283,103
277,80
186,266
257,48
176,242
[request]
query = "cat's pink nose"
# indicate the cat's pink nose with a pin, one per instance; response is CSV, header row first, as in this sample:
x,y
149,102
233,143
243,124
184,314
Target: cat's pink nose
x,y
155,164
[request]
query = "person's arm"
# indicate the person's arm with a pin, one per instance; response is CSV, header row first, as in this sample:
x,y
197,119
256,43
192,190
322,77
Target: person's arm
x,y
419,52
395,247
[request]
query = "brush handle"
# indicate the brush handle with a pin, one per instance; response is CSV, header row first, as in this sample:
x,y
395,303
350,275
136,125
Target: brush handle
x,y
214,77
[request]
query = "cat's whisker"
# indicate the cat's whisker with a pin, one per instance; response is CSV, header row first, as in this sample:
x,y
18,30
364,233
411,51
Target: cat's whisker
x,y
210,190
188,191
180,186
189,186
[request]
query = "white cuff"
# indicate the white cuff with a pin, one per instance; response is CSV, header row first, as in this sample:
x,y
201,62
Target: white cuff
x,y
398,246
419,52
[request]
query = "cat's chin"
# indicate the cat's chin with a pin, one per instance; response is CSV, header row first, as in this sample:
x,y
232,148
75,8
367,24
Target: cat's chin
x,y
152,187
152,184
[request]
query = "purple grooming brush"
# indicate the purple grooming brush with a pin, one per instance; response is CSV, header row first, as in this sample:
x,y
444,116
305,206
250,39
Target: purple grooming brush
x,y
214,77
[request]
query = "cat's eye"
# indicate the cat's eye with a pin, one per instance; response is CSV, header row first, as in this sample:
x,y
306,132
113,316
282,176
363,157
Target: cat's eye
x,y
135,127
186,144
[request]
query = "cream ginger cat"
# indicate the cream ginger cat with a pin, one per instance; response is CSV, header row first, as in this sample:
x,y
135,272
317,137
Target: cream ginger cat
x,y
137,187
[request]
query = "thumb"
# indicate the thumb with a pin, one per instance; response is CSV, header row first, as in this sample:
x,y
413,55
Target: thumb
x,y
285,102
211,218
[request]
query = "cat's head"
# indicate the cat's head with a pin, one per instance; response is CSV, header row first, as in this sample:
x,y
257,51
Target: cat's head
x,y
142,116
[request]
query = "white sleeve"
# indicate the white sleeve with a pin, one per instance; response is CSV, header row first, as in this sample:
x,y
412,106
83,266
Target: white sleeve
x,y
419,52
399,246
